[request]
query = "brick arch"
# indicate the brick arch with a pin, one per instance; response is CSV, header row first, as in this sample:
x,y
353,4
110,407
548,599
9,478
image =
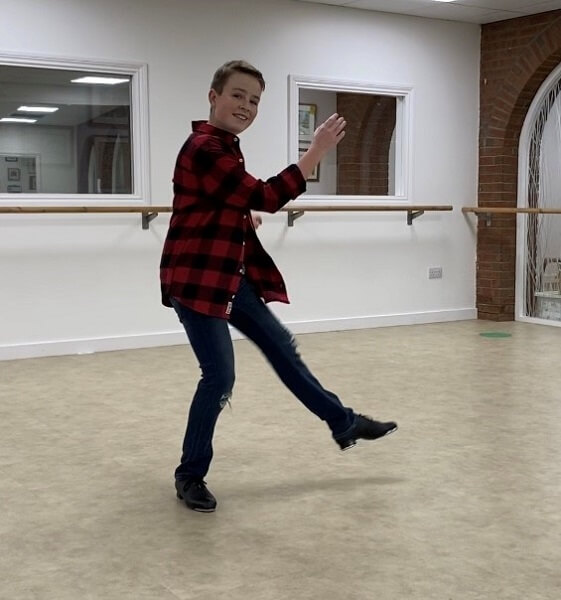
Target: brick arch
x,y
509,83
378,124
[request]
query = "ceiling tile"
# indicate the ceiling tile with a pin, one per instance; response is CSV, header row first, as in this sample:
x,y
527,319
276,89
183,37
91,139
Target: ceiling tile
x,y
454,12
336,2
508,5
499,15
473,11
534,7
393,6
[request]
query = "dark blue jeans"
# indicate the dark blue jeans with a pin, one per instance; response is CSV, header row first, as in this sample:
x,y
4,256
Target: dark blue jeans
x,y
212,344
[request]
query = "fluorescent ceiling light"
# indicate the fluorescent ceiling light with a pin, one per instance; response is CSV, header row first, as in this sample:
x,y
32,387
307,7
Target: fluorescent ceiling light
x,y
444,0
38,109
17,120
100,80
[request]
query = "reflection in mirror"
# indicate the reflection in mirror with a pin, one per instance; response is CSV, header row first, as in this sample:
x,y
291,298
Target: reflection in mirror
x,y
364,161
19,173
78,132
372,162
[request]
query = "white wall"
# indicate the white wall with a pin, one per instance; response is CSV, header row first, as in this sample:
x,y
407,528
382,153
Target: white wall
x,y
82,283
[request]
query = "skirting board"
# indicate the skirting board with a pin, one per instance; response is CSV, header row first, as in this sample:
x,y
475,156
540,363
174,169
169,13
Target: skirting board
x,y
174,338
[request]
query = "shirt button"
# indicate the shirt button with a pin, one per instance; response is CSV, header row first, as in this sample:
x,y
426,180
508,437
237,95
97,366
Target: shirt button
x,y
240,159
245,216
235,139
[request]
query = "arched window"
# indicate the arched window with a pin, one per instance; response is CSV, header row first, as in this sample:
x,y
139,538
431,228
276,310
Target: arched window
x,y
539,235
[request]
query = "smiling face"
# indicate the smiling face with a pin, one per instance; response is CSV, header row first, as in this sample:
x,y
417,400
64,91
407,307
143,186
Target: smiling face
x,y
235,109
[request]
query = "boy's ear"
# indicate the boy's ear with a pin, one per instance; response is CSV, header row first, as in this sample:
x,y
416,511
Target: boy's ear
x,y
212,96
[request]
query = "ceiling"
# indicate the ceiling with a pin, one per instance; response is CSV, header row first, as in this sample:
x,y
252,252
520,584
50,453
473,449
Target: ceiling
x,y
77,103
470,11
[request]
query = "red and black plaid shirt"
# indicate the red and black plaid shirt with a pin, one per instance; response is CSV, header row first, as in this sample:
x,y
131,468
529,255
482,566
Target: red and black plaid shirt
x,y
211,238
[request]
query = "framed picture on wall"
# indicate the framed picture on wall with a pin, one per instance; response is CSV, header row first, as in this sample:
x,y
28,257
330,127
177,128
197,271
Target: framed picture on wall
x,y
14,174
307,114
303,146
19,174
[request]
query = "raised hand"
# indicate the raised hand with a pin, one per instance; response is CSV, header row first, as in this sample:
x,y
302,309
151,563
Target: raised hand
x,y
329,133
326,137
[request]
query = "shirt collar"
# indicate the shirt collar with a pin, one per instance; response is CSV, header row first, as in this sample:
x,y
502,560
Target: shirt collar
x,y
204,127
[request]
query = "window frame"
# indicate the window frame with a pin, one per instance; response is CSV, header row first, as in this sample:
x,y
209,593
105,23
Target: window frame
x,y
139,130
403,136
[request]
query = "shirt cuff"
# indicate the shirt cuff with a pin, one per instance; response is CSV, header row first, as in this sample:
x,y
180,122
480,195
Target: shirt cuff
x,y
297,181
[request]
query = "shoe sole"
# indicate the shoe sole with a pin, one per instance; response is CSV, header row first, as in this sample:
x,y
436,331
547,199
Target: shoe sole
x,y
354,442
195,508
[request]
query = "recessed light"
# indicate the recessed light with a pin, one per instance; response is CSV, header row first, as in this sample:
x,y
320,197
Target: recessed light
x,y
38,109
100,80
443,0
17,120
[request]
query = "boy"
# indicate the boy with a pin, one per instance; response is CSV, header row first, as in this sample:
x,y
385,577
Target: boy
x,y
214,271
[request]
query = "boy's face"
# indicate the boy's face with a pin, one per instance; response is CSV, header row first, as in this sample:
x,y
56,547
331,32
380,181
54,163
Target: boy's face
x,y
236,107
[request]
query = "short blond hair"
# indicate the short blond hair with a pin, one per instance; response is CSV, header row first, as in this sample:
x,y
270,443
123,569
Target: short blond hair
x,y
224,72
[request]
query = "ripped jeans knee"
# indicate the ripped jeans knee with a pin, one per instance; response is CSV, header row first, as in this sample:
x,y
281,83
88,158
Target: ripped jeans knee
x,y
225,399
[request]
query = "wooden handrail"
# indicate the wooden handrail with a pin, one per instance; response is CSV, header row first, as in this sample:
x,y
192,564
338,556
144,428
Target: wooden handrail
x,y
489,211
369,207
162,209
502,210
294,211
413,210
31,210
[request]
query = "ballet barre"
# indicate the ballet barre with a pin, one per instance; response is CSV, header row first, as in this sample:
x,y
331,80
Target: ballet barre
x,y
413,210
150,212
487,212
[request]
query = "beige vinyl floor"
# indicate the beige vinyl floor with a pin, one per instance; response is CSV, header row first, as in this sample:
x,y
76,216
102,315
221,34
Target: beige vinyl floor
x,y
462,503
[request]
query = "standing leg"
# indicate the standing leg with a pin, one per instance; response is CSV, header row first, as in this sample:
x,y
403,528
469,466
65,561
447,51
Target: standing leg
x,y
212,344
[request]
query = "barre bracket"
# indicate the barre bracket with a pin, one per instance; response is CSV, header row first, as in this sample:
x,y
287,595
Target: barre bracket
x,y
293,215
413,214
146,218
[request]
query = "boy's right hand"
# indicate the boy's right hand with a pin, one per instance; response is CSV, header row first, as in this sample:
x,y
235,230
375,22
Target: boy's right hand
x,y
326,137
329,133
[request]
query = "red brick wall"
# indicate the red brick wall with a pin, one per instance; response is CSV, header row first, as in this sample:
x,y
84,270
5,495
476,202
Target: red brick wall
x,y
362,156
516,57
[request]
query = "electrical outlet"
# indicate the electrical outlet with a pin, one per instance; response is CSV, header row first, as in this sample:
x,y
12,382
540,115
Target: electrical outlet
x,y
435,272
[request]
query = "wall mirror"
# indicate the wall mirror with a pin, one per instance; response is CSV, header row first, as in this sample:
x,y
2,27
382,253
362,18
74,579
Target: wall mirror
x,y
372,162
